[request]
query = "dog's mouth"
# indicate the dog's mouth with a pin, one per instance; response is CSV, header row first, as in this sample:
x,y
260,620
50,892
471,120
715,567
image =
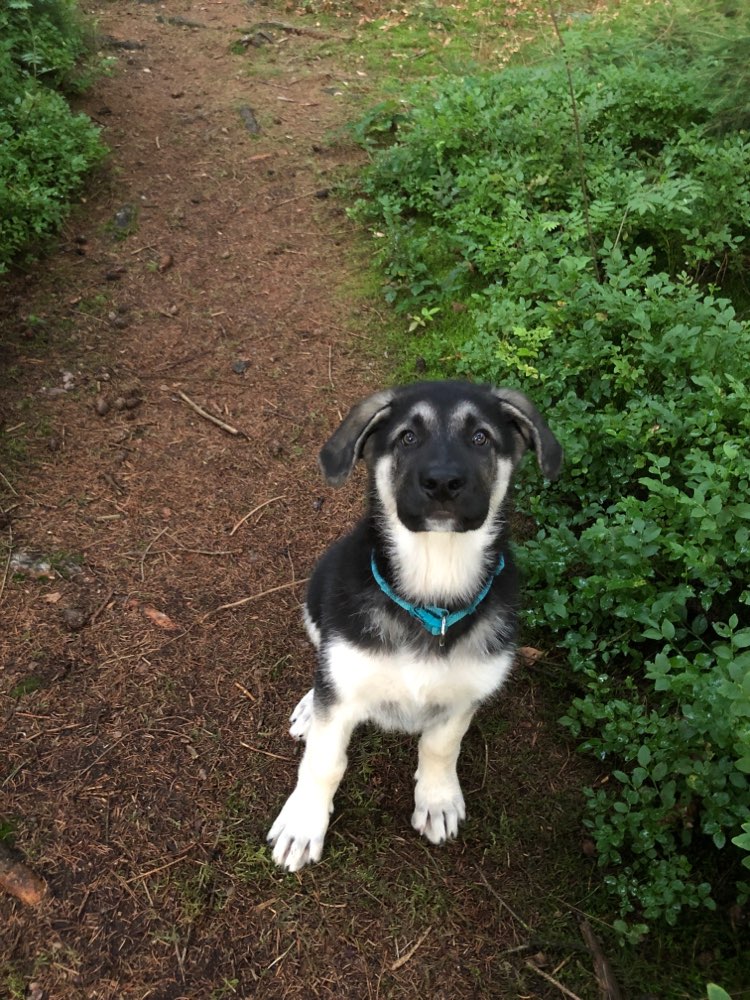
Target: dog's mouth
x,y
441,520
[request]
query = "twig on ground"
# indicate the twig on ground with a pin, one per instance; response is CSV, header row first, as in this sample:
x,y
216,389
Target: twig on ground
x,y
551,979
170,864
605,977
411,952
255,511
207,416
244,690
19,880
101,607
257,597
502,902
288,201
7,564
9,485
146,551
266,753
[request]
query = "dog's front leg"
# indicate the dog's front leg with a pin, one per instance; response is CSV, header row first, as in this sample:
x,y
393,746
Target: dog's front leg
x,y
438,800
300,828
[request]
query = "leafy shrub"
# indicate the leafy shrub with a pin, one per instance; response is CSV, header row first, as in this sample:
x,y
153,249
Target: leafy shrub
x,y
641,569
45,149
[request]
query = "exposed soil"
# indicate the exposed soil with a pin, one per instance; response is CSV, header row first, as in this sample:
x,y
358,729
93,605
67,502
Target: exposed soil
x,y
143,744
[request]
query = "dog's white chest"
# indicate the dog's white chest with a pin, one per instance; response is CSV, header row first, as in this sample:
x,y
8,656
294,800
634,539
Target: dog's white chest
x,y
403,691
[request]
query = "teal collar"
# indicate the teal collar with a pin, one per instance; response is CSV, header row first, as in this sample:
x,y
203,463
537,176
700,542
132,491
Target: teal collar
x,y
436,620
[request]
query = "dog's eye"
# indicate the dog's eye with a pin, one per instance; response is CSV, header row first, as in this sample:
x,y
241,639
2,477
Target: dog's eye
x,y
408,439
479,438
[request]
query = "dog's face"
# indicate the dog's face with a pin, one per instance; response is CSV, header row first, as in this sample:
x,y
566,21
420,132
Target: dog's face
x,y
441,454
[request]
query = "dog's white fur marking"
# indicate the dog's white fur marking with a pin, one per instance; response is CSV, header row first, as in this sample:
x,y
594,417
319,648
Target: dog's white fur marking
x,y
301,717
436,696
439,566
311,628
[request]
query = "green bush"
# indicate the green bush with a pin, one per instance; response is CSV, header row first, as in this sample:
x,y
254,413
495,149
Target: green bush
x,y
45,149
638,357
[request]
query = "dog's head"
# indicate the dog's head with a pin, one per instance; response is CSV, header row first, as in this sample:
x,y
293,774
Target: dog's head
x,y
441,454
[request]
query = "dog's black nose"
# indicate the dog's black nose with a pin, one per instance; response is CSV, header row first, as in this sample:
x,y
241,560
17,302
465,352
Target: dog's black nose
x,y
442,482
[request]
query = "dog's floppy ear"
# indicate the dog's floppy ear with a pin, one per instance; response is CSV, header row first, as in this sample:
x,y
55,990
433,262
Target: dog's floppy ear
x,y
340,452
533,430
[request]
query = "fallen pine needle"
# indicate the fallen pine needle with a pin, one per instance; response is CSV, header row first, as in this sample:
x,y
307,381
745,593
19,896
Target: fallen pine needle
x,y
411,952
280,957
207,416
257,597
255,511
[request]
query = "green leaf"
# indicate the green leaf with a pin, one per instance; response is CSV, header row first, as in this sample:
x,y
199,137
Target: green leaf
x,y
717,992
644,756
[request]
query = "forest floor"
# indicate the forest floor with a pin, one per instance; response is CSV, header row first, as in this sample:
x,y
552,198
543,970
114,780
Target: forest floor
x,y
143,723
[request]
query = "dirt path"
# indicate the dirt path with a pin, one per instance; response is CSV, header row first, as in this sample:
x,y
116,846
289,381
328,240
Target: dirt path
x,y
144,729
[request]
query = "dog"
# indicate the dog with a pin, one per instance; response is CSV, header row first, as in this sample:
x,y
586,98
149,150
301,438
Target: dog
x,y
413,613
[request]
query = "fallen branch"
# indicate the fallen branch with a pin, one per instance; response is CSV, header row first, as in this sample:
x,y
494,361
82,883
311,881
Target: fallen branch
x,y
207,416
291,29
19,880
608,987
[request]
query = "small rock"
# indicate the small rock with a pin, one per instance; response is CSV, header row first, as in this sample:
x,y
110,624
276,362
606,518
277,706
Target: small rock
x,y
276,449
124,217
420,366
239,367
119,403
323,193
114,275
53,442
251,122
74,619
102,406
317,503
588,848
165,262
132,402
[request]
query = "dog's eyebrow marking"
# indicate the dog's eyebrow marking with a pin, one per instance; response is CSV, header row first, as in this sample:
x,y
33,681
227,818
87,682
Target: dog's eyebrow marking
x,y
462,415
424,412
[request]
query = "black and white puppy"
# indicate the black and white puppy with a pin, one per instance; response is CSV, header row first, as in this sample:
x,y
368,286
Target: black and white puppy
x,y
413,613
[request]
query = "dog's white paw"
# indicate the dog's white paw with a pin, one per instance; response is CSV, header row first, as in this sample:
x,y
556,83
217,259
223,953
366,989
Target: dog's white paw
x,y
438,810
299,831
301,717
